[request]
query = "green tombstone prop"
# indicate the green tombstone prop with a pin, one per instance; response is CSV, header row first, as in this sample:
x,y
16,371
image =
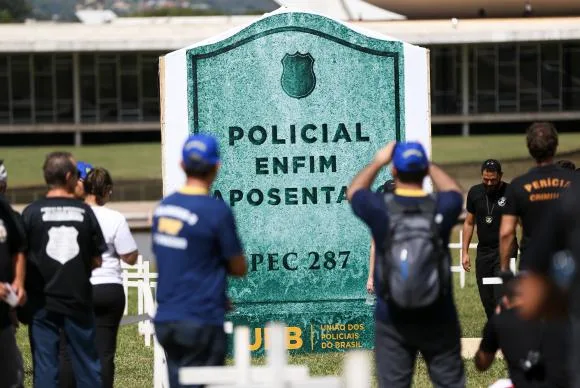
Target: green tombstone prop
x,y
299,103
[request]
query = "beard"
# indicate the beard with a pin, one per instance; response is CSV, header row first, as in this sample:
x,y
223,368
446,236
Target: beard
x,y
492,189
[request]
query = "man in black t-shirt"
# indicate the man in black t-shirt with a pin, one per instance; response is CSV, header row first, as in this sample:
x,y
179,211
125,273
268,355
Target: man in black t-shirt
x,y
485,204
534,351
12,270
531,195
65,244
551,286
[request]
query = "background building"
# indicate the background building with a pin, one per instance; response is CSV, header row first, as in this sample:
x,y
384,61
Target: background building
x,y
75,78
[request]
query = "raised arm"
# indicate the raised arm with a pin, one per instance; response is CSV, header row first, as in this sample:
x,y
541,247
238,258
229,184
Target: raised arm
x,y
442,181
365,178
371,279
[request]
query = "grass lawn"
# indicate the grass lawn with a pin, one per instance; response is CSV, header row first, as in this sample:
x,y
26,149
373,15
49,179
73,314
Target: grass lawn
x,y
457,149
125,161
135,362
138,161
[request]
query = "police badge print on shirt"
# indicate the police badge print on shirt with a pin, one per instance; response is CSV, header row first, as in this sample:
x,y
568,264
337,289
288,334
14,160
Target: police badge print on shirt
x,y
64,238
62,243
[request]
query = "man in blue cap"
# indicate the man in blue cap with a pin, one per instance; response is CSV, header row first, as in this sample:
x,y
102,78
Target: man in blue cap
x,y
415,311
196,246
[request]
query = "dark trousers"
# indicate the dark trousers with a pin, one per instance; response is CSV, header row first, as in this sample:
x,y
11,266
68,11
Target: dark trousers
x,y
190,344
11,372
487,266
66,373
575,351
397,346
109,304
109,301
45,334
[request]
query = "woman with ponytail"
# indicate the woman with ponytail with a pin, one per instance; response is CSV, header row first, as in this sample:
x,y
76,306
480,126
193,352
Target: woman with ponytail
x,y
108,294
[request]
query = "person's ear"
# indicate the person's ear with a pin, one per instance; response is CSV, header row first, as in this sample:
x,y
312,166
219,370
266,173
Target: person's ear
x,y
182,165
394,172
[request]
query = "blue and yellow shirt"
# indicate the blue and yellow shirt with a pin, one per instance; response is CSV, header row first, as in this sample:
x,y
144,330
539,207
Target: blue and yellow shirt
x,y
194,236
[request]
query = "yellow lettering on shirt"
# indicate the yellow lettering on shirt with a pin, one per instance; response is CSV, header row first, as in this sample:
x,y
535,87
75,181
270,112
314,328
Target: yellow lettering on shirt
x,y
169,226
544,184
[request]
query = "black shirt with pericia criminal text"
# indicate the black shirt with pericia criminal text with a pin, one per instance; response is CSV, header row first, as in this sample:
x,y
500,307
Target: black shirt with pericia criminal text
x,y
64,237
487,210
531,196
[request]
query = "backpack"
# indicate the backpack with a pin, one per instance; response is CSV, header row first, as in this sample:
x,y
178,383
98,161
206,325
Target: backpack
x,y
414,269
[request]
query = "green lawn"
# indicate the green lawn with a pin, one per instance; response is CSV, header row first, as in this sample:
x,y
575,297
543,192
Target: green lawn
x,y
138,161
124,161
457,149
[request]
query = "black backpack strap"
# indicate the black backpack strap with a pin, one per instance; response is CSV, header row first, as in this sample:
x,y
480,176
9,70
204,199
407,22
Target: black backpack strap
x,y
429,206
393,206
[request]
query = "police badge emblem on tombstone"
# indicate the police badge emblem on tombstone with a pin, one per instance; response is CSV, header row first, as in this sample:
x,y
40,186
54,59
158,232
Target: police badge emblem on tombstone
x,y
298,78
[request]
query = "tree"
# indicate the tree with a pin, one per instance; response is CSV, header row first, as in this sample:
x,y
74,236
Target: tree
x,y
167,11
46,9
14,10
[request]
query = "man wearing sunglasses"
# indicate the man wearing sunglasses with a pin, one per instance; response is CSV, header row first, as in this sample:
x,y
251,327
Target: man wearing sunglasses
x,y
485,204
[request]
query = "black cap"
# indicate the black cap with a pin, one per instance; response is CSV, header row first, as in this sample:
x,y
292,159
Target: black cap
x,y
491,165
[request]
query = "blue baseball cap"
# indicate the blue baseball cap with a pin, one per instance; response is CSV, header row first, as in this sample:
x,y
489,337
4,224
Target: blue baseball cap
x,y
201,149
84,169
410,157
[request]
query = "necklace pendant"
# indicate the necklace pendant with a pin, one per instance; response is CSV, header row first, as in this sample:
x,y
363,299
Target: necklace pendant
x,y
488,220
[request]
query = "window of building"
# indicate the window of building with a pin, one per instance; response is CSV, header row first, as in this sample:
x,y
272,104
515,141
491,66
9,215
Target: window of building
x,y
44,88
571,76
64,88
20,75
88,87
445,80
5,108
507,84
486,78
529,78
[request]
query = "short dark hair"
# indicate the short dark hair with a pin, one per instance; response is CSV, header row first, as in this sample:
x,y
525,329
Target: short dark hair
x,y
567,164
491,165
412,177
56,167
542,140
98,183
199,170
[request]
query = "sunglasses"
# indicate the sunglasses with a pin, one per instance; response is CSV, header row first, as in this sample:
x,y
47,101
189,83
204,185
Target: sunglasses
x,y
491,165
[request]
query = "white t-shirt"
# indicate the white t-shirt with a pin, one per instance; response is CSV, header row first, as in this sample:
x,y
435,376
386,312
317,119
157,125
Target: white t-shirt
x,y
119,242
